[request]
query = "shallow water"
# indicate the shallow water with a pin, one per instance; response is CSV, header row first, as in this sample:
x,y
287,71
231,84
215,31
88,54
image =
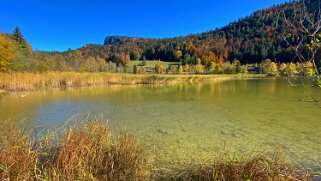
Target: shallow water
x,y
190,121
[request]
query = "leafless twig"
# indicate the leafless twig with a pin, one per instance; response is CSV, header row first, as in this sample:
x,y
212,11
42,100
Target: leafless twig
x,y
303,33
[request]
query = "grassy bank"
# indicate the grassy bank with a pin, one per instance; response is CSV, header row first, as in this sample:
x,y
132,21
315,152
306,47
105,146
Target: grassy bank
x,y
48,80
89,152
152,63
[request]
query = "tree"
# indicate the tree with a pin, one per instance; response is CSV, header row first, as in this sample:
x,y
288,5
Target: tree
x,y
135,55
308,69
219,68
283,69
6,52
237,65
178,55
272,69
122,59
244,69
17,35
229,68
212,67
101,64
302,32
199,68
76,60
291,70
265,66
187,68
187,59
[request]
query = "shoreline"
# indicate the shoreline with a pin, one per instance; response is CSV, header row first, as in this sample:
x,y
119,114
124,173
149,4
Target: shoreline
x,y
28,82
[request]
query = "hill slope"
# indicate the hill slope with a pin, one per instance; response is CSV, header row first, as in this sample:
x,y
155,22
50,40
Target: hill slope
x,y
250,40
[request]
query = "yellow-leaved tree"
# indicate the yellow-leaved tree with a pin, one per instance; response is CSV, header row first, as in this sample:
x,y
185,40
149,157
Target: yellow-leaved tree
x,y
6,52
272,69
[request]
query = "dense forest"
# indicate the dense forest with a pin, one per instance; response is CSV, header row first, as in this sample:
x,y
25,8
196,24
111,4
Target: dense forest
x,y
251,40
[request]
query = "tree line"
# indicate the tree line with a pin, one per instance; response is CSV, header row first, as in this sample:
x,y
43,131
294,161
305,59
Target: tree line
x,y
248,41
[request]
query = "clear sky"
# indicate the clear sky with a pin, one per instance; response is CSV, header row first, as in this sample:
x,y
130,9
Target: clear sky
x,y
62,24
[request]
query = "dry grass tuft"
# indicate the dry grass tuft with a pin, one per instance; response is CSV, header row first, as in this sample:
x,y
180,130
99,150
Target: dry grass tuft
x,y
18,161
88,152
258,168
126,158
83,153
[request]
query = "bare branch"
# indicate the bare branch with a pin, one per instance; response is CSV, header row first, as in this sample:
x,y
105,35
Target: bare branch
x,y
304,25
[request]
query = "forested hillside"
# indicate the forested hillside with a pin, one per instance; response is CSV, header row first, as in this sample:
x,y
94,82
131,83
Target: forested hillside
x,y
250,40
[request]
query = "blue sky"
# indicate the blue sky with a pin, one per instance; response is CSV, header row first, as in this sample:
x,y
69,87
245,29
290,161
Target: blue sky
x,y
61,24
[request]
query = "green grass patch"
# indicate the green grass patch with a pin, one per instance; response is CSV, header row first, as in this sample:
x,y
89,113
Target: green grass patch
x,y
151,63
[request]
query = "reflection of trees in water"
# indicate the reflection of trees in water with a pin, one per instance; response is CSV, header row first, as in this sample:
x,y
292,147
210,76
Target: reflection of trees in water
x,y
200,89
18,109
23,108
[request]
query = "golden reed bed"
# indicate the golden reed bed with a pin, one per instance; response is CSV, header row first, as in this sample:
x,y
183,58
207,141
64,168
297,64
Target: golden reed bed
x,y
89,152
48,80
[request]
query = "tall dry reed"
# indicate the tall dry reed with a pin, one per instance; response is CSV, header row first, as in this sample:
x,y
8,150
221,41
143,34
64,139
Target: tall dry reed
x,y
257,168
47,80
18,160
83,153
88,152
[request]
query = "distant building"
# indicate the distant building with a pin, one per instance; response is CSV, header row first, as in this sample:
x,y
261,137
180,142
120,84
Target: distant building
x,y
253,69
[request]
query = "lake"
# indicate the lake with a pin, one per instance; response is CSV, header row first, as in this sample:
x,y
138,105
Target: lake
x,y
189,122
